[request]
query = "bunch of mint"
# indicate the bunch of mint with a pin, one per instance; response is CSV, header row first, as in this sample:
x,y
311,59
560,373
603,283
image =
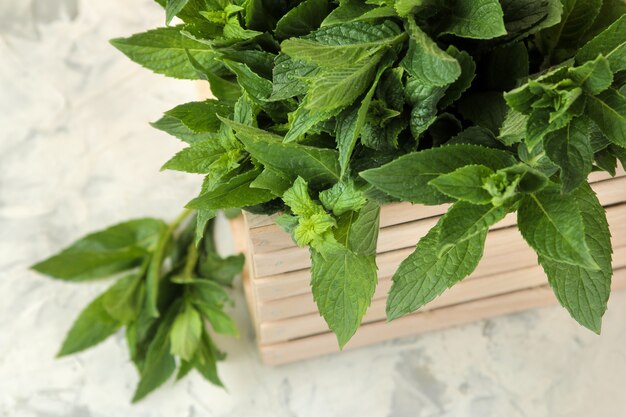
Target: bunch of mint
x,y
326,110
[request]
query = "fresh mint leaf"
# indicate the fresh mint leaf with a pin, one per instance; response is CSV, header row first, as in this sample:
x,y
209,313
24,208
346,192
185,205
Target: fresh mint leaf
x,y
173,8
407,177
221,322
609,43
176,128
424,99
552,225
236,192
577,17
186,333
356,11
201,116
93,325
115,249
464,221
123,300
358,231
584,292
159,363
571,150
593,76
461,84
608,111
164,51
475,19
427,62
197,158
343,285
342,197
465,184
345,44
288,77
302,19
428,272
317,166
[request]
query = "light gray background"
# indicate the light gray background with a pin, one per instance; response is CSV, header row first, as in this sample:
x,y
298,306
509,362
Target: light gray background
x,y
77,154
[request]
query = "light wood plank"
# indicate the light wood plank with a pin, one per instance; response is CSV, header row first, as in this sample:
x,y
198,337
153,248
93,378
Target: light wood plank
x,y
303,304
295,350
406,235
465,291
497,249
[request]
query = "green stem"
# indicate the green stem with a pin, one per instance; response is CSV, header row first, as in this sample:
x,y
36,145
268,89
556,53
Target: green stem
x,y
154,269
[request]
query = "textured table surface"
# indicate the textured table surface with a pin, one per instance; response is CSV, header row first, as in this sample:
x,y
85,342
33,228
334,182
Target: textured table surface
x,y
77,154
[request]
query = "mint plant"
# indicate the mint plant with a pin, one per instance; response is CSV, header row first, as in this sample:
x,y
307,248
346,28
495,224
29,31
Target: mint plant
x,y
327,110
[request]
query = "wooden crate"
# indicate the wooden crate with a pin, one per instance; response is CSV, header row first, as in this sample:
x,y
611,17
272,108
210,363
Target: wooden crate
x,y
289,328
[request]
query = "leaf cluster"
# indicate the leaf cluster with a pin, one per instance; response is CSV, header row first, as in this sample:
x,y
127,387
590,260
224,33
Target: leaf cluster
x,y
168,281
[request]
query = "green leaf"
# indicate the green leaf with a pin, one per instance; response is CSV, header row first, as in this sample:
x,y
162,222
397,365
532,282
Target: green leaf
x,y
407,177
176,128
206,362
343,44
423,99
299,200
100,254
256,86
186,333
571,150
458,87
484,108
303,120
343,285
93,325
610,43
576,19
358,231
302,19
552,225
173,8
356,11
317,166
123,300
427,62
203,217
428,272
465,183
585,292
221,322
476,19
338,87
464,221
608,111
197,158
164,51
289,75
159,364
526,17
594,76
236,192
201,116
342,197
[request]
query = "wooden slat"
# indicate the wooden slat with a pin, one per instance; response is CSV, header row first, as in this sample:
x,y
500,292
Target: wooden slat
x,y
406,235
295,283
388,216
285,352
465,291
303,304
271,238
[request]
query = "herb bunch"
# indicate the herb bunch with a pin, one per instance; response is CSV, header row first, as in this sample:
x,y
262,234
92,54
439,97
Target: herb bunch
x,y
169,280
326,110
